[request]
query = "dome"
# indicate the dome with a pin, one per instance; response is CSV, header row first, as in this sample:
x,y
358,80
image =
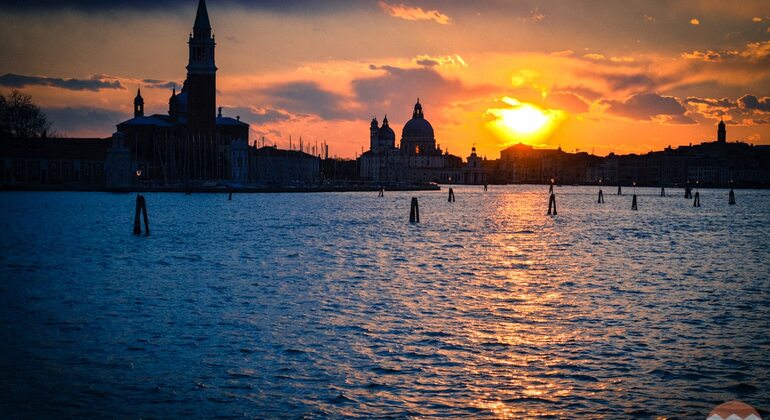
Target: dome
x,y
418,126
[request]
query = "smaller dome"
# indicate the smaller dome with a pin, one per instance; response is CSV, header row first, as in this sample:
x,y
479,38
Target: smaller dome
x,y
387,133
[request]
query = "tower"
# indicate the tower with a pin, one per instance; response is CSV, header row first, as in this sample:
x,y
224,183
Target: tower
x,y
721,132
374,134
201,76
138,104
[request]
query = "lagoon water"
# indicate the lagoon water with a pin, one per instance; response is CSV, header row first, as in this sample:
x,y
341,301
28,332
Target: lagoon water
x,y
333,305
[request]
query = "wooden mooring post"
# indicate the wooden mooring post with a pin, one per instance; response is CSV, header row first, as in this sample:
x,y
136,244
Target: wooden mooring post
x,y
141,206
451,198
414,212
731,200
552,204
601,196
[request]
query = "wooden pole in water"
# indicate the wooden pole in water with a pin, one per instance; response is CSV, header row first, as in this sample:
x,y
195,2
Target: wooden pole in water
x,y
662,191
141,207
619,191
451,195
601,196
414,211
731,200
633,199
552,203
485,186
696,201
382,192
230,196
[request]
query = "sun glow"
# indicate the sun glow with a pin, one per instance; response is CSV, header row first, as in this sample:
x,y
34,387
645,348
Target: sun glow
x,y
523,122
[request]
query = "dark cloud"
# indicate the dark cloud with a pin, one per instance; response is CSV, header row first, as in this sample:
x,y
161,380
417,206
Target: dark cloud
x,y
648,106
396,89
713,103
567,101
637,81
308,98
160,84
73,120
427,62
751,102
94,84
256,116
90,6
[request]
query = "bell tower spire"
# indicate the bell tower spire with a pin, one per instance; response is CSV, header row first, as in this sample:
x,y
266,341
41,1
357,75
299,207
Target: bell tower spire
x,y
201,75
138,104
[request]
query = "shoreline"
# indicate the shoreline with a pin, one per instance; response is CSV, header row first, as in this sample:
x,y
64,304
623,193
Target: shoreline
x,y
322,189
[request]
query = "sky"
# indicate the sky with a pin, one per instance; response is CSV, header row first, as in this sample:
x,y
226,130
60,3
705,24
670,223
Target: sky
x,y
626,76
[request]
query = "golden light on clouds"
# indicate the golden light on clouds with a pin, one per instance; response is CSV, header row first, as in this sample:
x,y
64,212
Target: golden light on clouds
x,y
523,122
404,11
694,21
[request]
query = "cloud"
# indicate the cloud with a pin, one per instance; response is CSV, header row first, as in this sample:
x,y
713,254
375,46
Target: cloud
x,y
649,106
594,56
257,116
404,11
396,89
307,98
568,101
637,81
442,61
694,21
79,120
160,84
111,5
753,52
95,84
751,102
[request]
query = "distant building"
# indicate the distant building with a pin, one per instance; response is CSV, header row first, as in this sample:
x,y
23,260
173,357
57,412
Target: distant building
x,y
417,159
474,171
53,163
192,142
272,166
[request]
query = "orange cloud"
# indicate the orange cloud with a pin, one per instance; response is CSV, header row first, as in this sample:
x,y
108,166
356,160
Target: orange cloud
x,y
407,12
694,21
754,51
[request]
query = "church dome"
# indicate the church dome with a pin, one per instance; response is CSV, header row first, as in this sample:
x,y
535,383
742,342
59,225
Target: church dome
x,y
418,126
387,133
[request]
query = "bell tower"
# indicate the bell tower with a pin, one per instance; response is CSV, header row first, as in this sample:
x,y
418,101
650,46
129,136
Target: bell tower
x,y
138,104
201,76
721,132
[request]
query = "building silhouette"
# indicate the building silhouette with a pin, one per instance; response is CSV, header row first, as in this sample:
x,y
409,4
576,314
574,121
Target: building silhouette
x,y
711,163
417,159
192,142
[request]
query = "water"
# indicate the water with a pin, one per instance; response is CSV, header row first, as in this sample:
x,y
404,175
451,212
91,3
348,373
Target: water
x,y
332,305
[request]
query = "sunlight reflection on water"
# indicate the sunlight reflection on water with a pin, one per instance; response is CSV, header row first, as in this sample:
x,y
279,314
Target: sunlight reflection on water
x,y
287,305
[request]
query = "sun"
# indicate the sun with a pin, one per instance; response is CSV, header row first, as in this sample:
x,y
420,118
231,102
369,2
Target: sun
x,y
523,121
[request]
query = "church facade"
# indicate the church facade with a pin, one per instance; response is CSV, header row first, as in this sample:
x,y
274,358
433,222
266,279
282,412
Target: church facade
x,y
417,159
192,142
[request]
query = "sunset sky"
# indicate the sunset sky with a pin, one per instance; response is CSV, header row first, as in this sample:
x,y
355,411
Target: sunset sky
x,y
601,76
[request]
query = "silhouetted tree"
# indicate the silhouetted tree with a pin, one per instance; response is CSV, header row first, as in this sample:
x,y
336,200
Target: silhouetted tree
x,y
20,118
